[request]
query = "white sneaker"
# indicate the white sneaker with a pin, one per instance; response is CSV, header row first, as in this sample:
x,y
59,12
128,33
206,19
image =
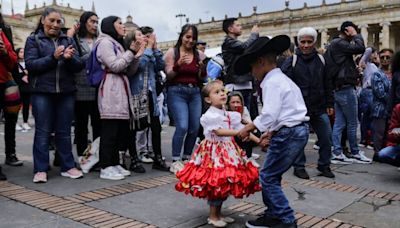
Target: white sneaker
x,y
26,126
341,159
255,156
122,171
18,127
176,166
315,147
370,147
110,173
361,158
146,159
73,173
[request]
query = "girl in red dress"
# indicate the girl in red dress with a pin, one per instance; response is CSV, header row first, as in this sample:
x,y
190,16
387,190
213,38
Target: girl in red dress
x,y
219,168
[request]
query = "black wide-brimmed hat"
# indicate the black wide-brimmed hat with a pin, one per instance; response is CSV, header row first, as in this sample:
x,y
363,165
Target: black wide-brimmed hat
x,y
261,46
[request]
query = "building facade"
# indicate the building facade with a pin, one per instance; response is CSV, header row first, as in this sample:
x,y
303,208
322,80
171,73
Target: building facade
x,y
24,24
378,21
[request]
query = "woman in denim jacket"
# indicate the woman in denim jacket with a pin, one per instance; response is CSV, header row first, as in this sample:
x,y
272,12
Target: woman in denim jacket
x,y
150,63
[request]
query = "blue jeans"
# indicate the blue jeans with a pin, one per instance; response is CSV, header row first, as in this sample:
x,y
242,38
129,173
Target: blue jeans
x,y
390,155
285,147
52,113
184,103
345,116
322,128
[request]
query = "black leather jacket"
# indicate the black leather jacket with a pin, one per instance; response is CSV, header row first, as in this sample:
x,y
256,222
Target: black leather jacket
x,y
342,53
231,50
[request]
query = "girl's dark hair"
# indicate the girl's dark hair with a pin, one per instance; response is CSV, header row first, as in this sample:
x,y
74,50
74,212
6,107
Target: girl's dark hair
x,y
17,51
184,30
129,38
82,32
234,94
45,13
396,62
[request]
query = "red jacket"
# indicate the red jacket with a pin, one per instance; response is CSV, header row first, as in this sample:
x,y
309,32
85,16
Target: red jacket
x,y
394,140
7,62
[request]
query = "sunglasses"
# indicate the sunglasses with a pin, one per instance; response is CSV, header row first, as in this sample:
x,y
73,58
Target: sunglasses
x,y
385,57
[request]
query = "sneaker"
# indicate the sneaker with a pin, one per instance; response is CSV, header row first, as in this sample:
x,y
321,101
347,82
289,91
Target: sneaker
x,y
341,159
361,158
110,173
122,171
176,166
26,126
255,156
136,167
263,222
301,173
326,172
18,127
40,177
73,173
2,176
146,159
315,147
217,223
12,160
370,147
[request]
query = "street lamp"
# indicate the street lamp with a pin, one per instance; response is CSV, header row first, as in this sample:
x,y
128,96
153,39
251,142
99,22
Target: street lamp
x,y
180,16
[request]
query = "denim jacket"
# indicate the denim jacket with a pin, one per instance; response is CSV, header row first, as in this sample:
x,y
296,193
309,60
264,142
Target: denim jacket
x,y
154,62
381,95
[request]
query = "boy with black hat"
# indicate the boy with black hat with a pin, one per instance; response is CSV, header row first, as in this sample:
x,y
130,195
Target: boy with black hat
x,y
283,121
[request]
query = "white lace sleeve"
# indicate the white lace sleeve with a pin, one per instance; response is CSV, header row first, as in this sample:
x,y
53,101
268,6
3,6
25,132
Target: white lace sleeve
x,y
236,120
211,122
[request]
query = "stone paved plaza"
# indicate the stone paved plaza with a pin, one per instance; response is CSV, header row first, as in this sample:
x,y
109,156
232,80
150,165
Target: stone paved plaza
x,y
359,196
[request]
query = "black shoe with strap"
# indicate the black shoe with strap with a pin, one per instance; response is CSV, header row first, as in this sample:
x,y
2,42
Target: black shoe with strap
x,y
12,160
159,164
136,167
301,173
2,176
326,172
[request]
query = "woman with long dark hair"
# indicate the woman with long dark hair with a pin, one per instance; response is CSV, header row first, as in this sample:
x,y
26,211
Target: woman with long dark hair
x,y
52,60
185,71
85,34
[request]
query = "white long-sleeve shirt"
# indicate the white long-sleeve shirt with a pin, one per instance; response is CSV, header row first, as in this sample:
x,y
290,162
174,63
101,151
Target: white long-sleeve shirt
x,y
283,103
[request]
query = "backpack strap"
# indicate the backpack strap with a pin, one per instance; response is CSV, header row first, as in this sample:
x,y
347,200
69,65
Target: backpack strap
x,y
321,57
294,60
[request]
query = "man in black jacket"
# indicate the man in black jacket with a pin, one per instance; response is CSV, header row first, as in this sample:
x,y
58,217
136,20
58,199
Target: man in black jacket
x,y
307,69
341,51
232,48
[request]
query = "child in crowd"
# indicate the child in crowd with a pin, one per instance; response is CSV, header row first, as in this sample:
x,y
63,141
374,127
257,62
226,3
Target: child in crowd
x,y
283,121
219,167
236,103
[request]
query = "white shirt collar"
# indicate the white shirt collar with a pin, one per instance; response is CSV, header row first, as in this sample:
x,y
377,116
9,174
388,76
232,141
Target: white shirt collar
x,y
269,74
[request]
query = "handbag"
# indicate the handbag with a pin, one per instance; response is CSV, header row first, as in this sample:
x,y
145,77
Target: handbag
x,y
140,103
12,97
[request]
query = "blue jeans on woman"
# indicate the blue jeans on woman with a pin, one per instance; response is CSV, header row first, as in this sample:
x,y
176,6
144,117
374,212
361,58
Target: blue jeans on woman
x,y
52,113
184,103
345,116
284,148
390,155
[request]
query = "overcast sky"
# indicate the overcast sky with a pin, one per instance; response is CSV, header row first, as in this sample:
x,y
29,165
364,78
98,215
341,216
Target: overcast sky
x,y
161,14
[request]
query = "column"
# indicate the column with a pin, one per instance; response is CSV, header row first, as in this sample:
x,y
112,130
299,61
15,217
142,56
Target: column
x,y
324,37
364,32
385,42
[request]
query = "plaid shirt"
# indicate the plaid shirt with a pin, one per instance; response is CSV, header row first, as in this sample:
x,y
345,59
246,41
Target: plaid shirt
x,y
84,91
